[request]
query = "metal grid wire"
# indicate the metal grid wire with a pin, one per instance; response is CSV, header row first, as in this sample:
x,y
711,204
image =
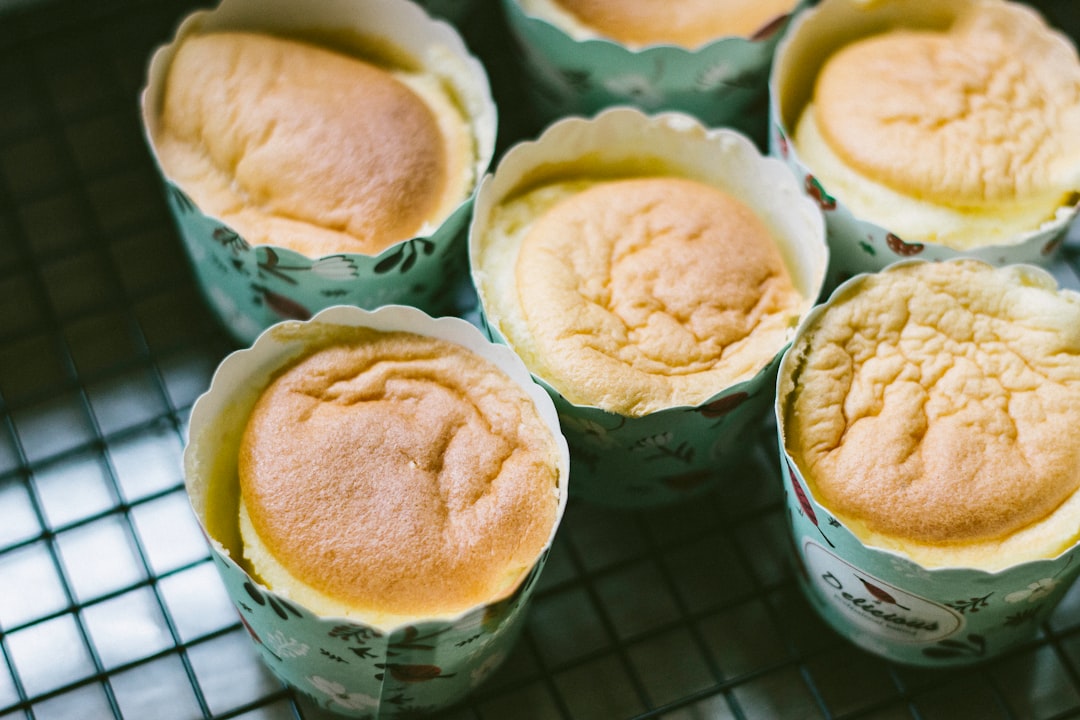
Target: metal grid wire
x,y
109,605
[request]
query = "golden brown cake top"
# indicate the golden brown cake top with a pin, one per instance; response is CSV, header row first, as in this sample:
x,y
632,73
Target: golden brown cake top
x,y
689,23
300,146
399,474
982,111
938,402
642,293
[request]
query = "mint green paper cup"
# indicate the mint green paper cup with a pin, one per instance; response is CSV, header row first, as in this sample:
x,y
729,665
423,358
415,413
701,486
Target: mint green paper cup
x,y
380,668
920,611
858,243
721,83
673,454
251,286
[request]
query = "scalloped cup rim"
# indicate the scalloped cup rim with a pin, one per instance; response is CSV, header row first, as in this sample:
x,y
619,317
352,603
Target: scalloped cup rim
x,y
234,374
677,121
781,398
483,123
1035,237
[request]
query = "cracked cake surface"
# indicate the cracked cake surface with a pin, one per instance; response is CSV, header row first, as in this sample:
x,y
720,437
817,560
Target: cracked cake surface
x,y
639,293
961,135
298,145
396,474
934,408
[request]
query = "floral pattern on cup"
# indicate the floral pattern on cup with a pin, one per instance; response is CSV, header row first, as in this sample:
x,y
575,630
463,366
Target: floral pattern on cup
x,y
252,287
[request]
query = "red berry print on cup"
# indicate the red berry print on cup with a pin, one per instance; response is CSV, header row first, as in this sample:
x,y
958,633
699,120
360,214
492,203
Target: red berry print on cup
x,y
814,189
900,247
721,407
1051,247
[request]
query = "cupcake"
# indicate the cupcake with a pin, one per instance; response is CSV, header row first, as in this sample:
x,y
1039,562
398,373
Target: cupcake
x,y
925,415
250,134
366,478
709,59
292,197
932,129
649,273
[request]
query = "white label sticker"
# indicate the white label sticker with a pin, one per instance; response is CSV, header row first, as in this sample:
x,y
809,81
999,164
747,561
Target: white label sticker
x,y
874,605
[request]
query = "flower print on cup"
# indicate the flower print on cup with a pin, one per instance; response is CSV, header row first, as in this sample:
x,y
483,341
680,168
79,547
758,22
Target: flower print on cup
x,y
339,696
924,534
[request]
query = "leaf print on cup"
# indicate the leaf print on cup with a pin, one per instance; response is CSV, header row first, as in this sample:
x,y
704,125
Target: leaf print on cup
x,y
880,595
281,608
284,307
1024,615
413,640
337,695
770,28
405,256
804,503
186,204
227,238
721,407
971,605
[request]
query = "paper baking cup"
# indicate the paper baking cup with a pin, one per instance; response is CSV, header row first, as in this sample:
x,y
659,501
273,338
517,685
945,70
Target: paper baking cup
x,y
250,287
669,455
721,83
345,665
857,244
894,607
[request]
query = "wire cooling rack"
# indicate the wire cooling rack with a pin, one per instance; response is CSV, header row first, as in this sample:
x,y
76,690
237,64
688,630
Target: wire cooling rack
x,y
109,604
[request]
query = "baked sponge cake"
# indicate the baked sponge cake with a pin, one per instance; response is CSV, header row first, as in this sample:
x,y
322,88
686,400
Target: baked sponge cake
x,y
301,146
962,135
636,23
389,475
640,293
934,412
